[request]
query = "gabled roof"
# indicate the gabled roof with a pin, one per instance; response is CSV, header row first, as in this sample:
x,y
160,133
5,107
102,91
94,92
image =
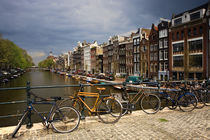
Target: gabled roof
x,y
192,10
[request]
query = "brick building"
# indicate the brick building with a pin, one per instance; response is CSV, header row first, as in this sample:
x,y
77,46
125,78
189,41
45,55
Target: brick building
x,y
144,53
153,53
188,44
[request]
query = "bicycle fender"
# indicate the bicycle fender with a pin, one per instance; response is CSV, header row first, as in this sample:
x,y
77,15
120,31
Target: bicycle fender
x,y
187,93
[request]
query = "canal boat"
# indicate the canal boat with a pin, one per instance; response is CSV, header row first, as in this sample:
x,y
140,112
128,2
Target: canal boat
x,y
94,81
89,79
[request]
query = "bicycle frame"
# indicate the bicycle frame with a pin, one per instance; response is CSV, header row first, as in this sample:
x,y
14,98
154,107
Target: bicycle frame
x,y
54,106
89,94
137,97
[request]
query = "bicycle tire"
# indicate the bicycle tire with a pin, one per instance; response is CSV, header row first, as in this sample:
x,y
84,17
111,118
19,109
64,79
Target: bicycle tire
x,y
207,99
109,110
150,104
187,102
65,119
19,124
201,100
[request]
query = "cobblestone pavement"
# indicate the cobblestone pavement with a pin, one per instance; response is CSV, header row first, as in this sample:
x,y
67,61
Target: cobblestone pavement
x,y
163,125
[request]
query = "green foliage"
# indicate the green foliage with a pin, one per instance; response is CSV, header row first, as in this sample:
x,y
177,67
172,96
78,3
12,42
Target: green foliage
x,y
12,56
47,63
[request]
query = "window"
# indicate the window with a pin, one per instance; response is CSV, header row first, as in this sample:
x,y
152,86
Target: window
x,y
177,35
137,42
179,47
151,48
182,34
189,32
160,44
166,66
166,55
195,16
155,47
137,49
155,56
200,30
178,21
178,61
151,56
161,55
195,60
172,36
134,41
151,68
194,31
195,45
165,42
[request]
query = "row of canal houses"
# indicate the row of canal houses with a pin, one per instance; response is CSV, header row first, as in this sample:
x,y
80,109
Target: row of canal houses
x,y
175,49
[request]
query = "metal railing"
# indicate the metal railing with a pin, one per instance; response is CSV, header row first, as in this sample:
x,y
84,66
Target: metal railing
x,y
29,87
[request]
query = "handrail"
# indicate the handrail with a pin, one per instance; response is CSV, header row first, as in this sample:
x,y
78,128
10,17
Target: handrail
x,y
124,84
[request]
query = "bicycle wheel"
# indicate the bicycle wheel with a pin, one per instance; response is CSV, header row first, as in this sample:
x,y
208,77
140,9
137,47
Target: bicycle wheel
x,y
187,102
65,119
201,100
206,98
20,123
109,110
150,104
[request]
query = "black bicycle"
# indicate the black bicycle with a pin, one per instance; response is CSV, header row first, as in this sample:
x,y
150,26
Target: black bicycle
x,y
63,119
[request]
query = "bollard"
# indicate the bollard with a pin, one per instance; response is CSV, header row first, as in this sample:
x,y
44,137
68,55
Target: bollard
x,y
83,98
29,124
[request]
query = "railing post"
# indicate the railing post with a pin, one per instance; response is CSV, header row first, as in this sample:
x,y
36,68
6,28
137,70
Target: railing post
x,y
29,124
83,107
158,86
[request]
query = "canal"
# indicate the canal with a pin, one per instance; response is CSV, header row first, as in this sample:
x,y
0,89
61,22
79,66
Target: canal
x,y
37,78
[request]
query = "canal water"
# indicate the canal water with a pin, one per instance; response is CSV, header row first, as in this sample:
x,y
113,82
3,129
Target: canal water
x,y
37,78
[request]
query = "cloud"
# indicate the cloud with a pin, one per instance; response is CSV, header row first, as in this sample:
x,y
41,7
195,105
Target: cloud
x,y
57,25
36,54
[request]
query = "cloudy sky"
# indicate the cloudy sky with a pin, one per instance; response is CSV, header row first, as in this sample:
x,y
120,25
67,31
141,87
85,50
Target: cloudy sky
x,y
41,26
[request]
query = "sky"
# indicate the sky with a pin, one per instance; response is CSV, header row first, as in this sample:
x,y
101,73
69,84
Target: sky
x,y
41,26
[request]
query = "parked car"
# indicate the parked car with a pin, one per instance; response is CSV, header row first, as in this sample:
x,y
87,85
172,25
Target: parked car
x,y
101,76
134,79
110,77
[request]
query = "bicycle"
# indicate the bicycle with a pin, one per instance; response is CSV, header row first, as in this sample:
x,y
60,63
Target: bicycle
x,y
149,103
63,120
106,107
186,100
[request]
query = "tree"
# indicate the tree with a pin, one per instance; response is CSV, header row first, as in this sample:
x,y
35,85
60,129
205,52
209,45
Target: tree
x,y
47,63
12,56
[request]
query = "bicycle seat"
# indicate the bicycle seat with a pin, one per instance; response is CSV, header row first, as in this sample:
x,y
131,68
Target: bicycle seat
x,y
101,89
56,98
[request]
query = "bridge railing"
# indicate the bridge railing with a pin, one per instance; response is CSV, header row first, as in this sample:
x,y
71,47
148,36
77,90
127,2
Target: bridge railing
x,y
81,86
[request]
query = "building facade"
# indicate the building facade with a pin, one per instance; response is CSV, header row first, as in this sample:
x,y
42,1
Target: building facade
x,y
87,58
153,53
188,44
163,49
129,56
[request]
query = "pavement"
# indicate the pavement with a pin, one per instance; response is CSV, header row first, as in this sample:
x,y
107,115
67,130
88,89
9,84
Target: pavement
x,y
165,124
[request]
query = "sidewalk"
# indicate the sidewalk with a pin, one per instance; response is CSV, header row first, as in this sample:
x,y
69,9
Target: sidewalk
x,y
165,124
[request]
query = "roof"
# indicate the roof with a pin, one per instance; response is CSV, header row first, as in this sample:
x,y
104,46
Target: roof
x,y
192,10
